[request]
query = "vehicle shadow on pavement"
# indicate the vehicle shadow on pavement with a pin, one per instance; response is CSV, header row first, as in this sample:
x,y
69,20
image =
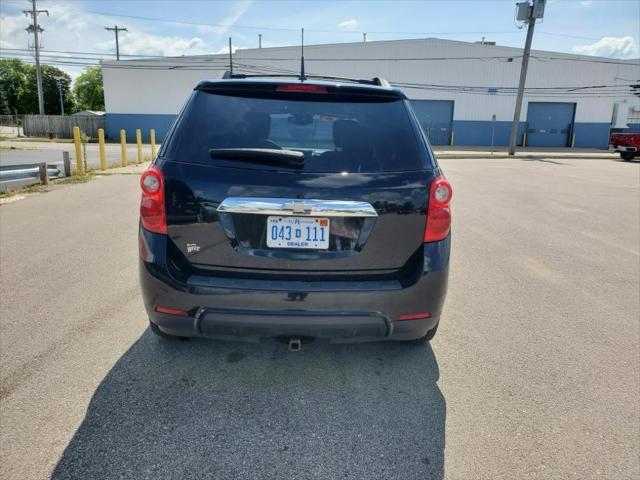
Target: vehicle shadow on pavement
x,y
210,409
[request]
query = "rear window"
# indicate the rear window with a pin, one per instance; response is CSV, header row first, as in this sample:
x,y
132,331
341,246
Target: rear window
x,y
334,136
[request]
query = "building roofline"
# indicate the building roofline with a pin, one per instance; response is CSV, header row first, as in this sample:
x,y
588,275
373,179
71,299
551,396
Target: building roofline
x,y
242,52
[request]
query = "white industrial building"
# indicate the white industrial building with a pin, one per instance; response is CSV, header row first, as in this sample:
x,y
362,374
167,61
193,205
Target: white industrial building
x,y
463,93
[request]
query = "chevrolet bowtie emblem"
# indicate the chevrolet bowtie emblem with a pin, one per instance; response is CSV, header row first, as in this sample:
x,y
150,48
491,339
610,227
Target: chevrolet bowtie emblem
x,y
298,207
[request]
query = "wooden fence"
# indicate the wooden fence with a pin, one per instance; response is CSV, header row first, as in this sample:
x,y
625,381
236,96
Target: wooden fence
x,y
61,126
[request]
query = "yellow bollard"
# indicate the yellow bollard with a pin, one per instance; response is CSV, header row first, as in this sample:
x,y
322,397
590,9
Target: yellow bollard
x,y
453,136
152,139
101,151
524,139
123,147
139,143
79,159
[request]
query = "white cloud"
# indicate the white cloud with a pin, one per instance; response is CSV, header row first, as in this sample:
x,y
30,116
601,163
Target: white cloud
x,y
225,49
349,24
617,47
586,3
67,28
136,43
12,31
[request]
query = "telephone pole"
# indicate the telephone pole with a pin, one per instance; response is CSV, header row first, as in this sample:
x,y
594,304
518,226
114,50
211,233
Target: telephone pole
x,y
117,29
36,29
230,59
527,13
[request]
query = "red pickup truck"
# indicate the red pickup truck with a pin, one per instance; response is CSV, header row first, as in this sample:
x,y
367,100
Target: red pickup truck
x,y
628,144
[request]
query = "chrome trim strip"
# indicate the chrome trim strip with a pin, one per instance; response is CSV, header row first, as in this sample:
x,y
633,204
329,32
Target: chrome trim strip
x,y
294,206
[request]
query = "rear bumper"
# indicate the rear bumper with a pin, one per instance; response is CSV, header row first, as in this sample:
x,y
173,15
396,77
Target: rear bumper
x,y
249,310
623,148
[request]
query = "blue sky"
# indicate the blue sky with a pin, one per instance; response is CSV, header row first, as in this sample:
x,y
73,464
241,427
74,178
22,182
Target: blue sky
x,y
594,27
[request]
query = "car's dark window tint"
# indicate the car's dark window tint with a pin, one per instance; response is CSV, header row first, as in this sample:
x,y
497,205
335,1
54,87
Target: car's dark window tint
x,y
335,136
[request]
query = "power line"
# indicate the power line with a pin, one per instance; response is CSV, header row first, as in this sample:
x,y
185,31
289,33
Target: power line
x,y
472,90
85,53
209,64
507,58
343,32
195,64
289,29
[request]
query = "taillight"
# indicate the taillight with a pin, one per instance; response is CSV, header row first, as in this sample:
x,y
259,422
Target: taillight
x,y
301,87
152,213
439,211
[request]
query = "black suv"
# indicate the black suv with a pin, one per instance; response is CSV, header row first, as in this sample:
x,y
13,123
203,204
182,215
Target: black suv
x,y
296,209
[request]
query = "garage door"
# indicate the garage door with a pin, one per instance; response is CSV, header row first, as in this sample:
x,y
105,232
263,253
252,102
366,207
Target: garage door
x,y
549,124
436,117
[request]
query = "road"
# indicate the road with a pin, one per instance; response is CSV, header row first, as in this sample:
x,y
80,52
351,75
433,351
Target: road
x,y
534,373
36,152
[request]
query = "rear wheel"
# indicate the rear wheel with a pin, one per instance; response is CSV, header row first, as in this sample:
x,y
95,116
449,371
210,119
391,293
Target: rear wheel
x,y
156,331
428,336
627,155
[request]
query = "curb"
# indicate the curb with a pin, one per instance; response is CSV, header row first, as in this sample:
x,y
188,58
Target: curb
x,y
537,156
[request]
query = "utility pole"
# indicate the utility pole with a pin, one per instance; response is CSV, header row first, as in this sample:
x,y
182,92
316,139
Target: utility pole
x,y
364,37
302,76
230,59
117,29
36,29
59,81
259,40
527,13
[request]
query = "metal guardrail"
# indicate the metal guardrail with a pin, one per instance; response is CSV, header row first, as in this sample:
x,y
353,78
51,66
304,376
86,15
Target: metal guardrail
x,y
27,174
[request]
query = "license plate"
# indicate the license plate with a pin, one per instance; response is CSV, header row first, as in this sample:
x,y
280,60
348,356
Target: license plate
x,y
298,232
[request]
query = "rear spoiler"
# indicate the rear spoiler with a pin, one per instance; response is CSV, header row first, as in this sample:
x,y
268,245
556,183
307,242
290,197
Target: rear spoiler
x,y
377,81
254,86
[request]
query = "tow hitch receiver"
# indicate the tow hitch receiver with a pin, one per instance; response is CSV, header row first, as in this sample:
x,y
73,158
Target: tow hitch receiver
x,y
295,344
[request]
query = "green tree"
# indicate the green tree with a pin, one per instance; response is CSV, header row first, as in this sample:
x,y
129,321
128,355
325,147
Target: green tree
x,y
13,85
51,94
89,91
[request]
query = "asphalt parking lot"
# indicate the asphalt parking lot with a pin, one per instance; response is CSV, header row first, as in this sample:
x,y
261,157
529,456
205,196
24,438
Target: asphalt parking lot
x,y
534,373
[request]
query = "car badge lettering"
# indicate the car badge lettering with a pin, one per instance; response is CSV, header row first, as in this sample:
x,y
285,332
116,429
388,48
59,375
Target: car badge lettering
x,y
192,247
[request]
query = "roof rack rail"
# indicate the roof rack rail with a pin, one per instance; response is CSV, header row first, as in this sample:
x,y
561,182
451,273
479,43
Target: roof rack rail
x,y
381,82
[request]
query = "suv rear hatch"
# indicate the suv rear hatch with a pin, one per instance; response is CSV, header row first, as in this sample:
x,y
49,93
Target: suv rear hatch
x,y
295,178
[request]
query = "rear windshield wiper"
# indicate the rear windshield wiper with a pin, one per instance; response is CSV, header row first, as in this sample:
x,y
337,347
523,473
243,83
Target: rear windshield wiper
x,y
291,158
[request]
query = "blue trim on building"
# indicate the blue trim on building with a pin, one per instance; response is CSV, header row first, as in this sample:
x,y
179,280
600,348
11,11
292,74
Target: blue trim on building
x,y
131,121
591,135
466,132
478,132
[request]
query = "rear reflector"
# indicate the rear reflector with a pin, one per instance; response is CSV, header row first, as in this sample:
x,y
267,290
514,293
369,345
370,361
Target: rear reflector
x,y
295,87
414,316
172,311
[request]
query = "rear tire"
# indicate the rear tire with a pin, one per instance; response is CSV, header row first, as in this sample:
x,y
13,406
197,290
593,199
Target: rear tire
x,y
156,331
627,156
427,337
